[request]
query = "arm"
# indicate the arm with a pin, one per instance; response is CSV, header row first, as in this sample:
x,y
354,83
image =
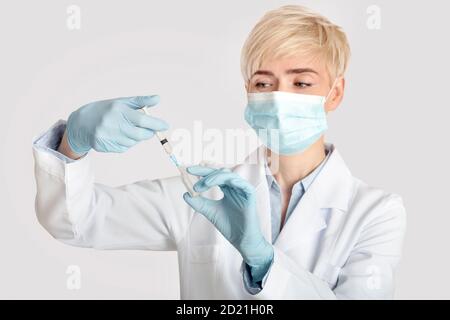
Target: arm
x,y
79,212
64,148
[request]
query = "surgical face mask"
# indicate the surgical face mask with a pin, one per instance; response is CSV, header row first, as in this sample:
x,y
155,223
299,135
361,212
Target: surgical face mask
x,y
287,123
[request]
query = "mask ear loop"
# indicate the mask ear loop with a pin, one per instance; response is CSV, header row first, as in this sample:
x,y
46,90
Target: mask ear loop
x,y
331,90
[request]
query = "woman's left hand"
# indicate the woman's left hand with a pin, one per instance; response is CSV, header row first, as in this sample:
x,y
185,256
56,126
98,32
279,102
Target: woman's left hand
x,y
234,215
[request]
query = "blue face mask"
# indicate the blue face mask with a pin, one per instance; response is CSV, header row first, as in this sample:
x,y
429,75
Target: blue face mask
x,y
286,123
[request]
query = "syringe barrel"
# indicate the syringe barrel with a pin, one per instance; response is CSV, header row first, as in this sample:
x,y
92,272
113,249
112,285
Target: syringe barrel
x,y
188,183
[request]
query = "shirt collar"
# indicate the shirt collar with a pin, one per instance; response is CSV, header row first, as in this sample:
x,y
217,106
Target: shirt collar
x,y
333,187
306,181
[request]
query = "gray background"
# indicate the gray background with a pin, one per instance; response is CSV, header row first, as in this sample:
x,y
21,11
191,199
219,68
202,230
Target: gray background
x,y
391,128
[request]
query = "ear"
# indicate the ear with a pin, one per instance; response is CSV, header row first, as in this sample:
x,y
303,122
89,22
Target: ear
x,y
336,95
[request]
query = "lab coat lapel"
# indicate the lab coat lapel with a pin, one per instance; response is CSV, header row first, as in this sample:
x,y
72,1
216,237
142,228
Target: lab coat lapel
x,y
331,189
305,221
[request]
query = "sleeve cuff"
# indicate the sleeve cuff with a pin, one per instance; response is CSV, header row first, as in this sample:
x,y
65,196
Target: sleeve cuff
x,y
49,141
253,287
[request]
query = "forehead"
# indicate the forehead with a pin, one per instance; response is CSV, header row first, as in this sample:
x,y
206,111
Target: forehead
x,y
279,65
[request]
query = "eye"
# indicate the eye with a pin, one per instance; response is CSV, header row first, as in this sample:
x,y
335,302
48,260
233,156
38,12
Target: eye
x,y
302,84
262,85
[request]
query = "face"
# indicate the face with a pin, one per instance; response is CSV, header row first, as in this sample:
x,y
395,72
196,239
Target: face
x,y
297,75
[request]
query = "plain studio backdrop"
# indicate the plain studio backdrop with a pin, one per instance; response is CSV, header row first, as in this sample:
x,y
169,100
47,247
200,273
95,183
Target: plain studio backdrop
x,y
392,128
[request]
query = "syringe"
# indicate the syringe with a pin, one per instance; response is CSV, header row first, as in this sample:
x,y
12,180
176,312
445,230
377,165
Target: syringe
x,y
168,149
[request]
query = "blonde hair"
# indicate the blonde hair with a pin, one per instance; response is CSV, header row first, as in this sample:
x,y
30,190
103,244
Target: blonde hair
x,y
295,30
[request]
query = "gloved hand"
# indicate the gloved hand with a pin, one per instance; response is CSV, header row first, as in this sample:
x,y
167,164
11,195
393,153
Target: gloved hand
x,y
234,215
112,125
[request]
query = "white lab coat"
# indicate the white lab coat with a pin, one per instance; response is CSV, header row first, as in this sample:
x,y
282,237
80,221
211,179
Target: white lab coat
x,y
342,241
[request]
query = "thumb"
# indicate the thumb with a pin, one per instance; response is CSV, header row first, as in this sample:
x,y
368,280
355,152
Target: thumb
x,y
202,205
139,102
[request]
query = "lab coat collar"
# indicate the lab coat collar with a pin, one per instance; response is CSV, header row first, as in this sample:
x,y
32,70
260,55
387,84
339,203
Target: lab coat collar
x,y
333,185
332,188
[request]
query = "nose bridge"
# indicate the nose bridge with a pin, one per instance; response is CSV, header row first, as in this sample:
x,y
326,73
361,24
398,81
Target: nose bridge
x,y
282,84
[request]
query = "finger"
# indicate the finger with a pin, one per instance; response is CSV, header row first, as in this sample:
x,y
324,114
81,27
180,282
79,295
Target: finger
x,y
109,146
200,185
229,179
125,141
138,134
206,207
200,171
141,120
220,178
137,102
119,149
243,185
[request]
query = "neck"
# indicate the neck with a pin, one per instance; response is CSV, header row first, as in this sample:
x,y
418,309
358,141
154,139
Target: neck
x,y
293,168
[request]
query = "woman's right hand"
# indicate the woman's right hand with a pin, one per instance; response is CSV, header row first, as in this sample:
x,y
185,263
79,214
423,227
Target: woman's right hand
x,y
110,126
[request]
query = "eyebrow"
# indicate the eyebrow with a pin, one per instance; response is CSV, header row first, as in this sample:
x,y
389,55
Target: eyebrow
x,y
301,70
290,71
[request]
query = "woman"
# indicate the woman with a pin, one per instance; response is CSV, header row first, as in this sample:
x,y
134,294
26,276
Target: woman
x,y
295,225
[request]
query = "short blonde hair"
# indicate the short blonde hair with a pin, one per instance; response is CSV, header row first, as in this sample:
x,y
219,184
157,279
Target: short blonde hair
x,y
295,30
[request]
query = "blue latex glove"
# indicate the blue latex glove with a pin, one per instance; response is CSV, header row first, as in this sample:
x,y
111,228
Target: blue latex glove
x,y
112,125
234,215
